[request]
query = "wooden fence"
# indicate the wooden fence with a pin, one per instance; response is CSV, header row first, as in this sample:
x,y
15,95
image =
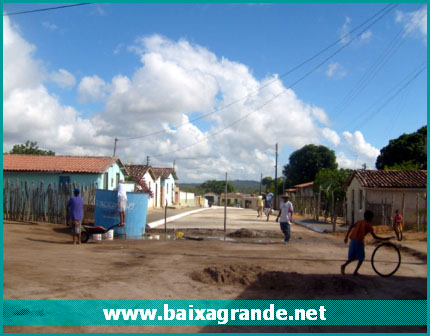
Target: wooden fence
x,y
23,201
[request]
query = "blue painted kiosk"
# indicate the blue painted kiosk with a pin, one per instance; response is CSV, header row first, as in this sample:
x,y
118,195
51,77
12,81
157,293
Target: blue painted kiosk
x,y
106,212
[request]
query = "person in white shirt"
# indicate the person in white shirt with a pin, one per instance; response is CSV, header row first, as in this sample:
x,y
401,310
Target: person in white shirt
x,y
122,202
286,214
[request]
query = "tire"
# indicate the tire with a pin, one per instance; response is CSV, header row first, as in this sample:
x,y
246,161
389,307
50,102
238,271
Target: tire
x,y
84,236
399,259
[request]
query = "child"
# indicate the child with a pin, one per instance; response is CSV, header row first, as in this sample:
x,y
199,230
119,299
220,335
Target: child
x,y
398,219
357,232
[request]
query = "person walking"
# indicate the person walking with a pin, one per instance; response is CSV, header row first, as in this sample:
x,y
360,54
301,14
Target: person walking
x,y
122,202
76,214
286,214
260,206
268,200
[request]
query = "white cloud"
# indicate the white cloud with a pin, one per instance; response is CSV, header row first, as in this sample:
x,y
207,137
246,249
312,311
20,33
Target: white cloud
x,y
92,89
344,31
335,70
331,136
365,151
414,22
174,80
63,78
344,162
30,112
49,26
366,35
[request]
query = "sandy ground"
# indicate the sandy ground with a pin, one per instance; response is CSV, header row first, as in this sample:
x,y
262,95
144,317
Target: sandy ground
x,y
41,263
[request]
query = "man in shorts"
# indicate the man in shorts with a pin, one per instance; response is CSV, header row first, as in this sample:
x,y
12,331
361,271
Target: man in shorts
x,y
357,232
268,201
122,202
76,214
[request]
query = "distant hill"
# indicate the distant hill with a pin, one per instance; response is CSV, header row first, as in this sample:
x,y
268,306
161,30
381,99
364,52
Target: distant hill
x,y
242,186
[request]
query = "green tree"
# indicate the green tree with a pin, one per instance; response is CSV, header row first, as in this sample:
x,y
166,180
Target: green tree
x,y
268,183
217,187
407,151
30,148
331,183
305,163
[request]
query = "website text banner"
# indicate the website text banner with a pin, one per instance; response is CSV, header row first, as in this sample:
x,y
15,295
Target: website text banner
x,y
215,312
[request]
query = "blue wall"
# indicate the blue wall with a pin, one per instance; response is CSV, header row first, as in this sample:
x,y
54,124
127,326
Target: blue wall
x,y
54,178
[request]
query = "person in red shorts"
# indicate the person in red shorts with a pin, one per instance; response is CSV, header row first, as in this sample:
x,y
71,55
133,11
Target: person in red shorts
x,y
357,232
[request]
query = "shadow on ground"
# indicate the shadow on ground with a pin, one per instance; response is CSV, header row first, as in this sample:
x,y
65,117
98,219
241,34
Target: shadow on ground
x,y
259,284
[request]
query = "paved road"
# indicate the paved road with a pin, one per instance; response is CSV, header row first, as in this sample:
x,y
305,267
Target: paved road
x,y
157,214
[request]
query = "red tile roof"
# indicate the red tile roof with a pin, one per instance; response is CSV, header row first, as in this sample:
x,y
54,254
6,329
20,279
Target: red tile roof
x,y
390,178
139,170
164,172
304,185
64,164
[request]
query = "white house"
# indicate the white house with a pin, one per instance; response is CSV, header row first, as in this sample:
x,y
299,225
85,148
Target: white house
x,y
384,192
168,183
153,182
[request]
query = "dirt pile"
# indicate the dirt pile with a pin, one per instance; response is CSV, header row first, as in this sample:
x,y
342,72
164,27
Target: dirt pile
x,y
288,284
243,233
228,275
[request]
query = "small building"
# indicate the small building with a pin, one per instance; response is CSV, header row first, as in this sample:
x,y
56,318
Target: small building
x,y
103,171
233,199
304,189
167,182
384,192
153,182
185,199
213,199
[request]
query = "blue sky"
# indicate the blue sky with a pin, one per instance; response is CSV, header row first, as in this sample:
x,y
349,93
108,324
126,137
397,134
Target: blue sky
x,y
104,73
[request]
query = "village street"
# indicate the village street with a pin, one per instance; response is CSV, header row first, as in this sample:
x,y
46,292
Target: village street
x,y
41,263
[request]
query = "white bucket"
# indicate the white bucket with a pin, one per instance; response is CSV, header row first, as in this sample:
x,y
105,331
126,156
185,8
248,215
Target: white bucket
x,y
97,236
108,235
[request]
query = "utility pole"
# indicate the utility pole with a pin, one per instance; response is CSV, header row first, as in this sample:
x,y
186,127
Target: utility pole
x,y
261,181
225,205
147,160
174,164
114,147
276,179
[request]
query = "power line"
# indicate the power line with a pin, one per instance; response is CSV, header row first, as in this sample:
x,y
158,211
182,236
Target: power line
x,y
370,74
46,9
387,8
282,92
389,99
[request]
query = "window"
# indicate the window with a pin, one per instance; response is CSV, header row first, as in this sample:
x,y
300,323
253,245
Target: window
x,y
117,179
106,181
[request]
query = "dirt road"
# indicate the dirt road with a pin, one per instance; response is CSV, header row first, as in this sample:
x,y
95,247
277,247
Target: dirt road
x,y
41,263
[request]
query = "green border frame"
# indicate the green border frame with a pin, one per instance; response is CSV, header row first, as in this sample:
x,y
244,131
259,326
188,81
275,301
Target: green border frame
x,y
237,1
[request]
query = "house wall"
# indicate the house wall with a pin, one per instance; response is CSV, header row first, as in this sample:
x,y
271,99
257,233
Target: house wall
x,y
112,177
375,197
168,186
51,178
186,199
249,203
54,178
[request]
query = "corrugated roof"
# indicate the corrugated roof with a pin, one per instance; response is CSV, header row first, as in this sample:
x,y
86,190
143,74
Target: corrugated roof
x,y
390,178
304,185
64,164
